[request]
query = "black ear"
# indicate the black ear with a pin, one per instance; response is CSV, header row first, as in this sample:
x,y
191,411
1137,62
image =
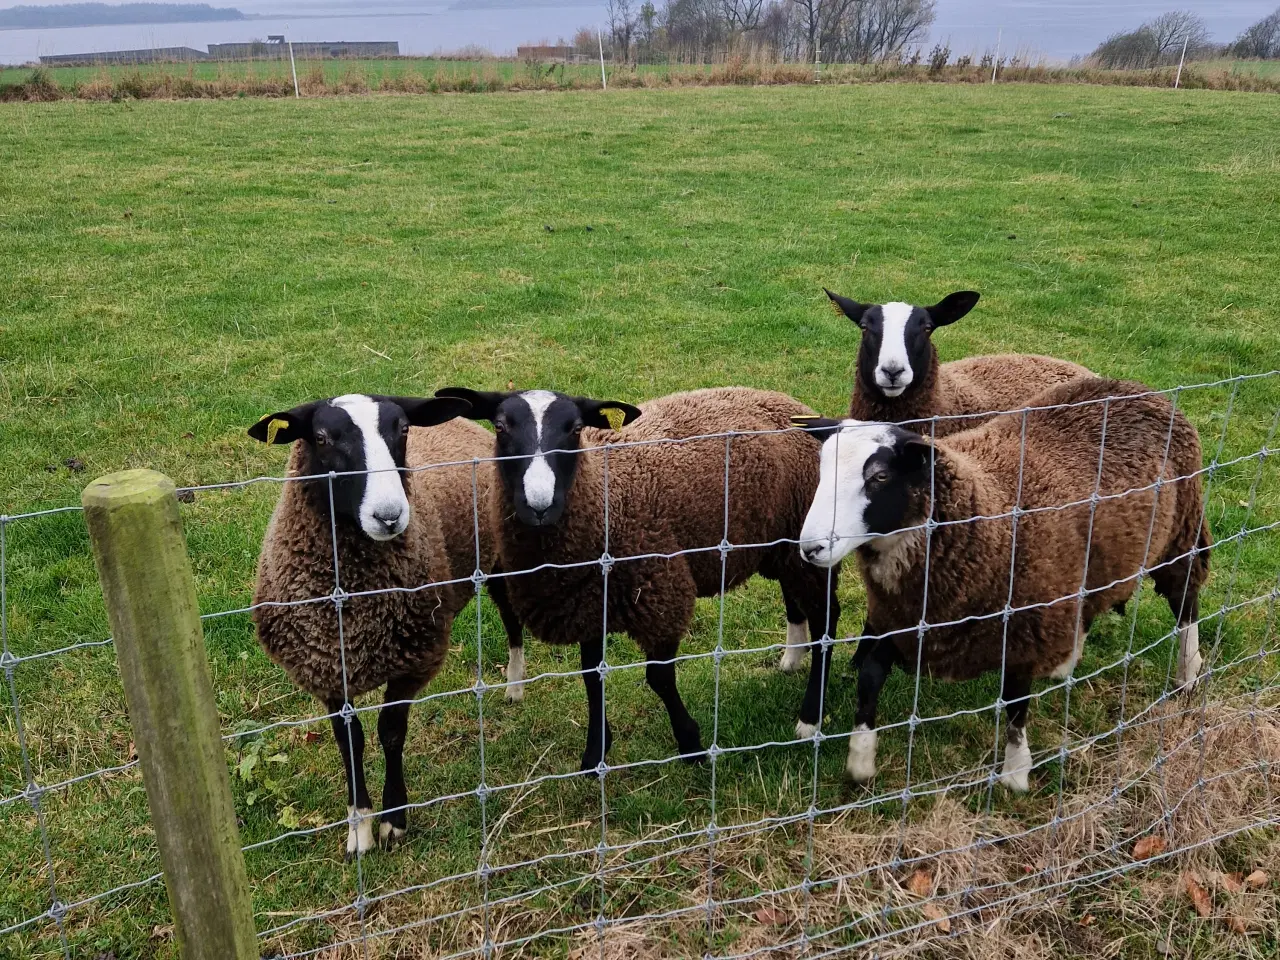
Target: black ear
x,y
287,425
951,308
915,454
606,414
817,427
429,411
483,404
850,308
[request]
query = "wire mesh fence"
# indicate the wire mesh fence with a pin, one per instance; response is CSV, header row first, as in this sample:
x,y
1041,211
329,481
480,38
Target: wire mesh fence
x,y
761,849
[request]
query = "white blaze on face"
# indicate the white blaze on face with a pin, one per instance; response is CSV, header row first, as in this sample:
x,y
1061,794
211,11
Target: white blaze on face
x,y
539,479
893,349
384,510
838,511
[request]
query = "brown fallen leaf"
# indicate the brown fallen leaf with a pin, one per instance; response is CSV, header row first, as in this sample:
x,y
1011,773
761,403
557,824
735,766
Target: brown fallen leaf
x,y
935,913
133,751
1198,894
1256,880
1149,847
920,883
162,931
1237,925
311,737
772,917
1088,920
1229,882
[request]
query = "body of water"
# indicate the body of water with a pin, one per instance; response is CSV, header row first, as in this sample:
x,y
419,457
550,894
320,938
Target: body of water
x,y
1052,28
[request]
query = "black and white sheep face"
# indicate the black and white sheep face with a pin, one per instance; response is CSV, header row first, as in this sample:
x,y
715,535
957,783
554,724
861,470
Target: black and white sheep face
x,y
364,440
538,436
868,475
896,350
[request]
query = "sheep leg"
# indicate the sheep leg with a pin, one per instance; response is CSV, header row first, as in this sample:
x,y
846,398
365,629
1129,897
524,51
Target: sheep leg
x,y
515,639
662,681
1016,694
819,668
875,669
1184,600
350,736
599,736
393,727
797,635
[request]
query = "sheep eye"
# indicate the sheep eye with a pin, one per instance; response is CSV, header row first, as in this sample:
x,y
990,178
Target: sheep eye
x,y
880,476
321,438
576,429
404,429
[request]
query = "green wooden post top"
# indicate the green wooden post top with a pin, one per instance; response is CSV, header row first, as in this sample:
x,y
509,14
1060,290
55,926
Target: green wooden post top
x,y
155,620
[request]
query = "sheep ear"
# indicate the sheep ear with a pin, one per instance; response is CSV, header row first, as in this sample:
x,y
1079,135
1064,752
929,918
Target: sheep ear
x,y
850,308
482,405
915,454
820,428
430,411
285,426
951,308
606,414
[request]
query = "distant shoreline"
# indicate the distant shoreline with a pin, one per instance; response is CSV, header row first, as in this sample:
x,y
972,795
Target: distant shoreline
x,y
73,15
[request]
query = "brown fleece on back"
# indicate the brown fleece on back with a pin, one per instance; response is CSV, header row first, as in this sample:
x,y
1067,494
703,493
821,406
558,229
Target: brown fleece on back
x,y
664,498
996,382
977,475
385,635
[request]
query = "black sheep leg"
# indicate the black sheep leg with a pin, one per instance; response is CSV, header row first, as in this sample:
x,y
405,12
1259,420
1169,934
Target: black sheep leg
x,y
599,736
350,736
874,669
393,727
821,623
515,638
1016,694
662,681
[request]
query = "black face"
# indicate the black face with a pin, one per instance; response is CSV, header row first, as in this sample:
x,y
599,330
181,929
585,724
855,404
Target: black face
x,y
364,439
896,349
540,431
893,476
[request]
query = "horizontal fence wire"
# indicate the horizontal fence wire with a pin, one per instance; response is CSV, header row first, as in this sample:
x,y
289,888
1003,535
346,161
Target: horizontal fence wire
x,y
1164,722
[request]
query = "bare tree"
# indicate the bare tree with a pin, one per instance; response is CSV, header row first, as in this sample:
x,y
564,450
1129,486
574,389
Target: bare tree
x,y
741,15
820,19
878,29
622,26
1170,30
1261,41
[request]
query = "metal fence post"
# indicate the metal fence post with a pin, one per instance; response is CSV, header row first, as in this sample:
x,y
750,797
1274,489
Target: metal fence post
x,y
151,602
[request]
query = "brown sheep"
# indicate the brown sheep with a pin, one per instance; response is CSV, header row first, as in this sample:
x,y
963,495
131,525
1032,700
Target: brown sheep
x,y
395,529
874,497
663,498
899,379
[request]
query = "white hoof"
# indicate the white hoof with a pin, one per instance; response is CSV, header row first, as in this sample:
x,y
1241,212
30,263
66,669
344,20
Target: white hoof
x,y
1190,663
861,765
797,646
389,836
1017,762
805,731
359,831
515,675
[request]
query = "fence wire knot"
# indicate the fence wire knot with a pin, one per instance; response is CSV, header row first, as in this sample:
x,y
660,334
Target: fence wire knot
x,y
479,578
606,562
339,597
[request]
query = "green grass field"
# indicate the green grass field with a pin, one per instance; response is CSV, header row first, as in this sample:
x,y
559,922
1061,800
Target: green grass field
x,y
174,270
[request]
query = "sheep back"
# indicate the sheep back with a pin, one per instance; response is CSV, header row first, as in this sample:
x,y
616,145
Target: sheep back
x,y
383,635
664,498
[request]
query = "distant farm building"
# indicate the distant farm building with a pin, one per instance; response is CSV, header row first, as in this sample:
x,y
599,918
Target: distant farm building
x,y
154,55
339,50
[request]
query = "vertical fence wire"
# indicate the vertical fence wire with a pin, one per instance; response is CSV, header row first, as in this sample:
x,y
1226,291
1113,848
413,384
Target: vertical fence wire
x,y
602,770
714,750
482,785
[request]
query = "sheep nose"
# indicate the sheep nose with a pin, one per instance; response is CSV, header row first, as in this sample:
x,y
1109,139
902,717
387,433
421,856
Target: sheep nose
x,y
892,373
389,517
812,552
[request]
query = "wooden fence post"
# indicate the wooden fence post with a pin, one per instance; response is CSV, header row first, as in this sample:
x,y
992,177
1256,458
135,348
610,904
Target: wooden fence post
x,y
151,602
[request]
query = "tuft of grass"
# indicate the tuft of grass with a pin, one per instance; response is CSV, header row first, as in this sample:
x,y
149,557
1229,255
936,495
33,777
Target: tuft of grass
x,y
176,269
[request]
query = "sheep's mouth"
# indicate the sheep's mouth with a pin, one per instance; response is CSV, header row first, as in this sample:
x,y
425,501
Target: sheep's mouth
x,y
894,391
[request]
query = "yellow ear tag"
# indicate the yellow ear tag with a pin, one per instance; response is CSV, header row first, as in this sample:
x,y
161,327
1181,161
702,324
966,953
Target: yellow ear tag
x,y
803,420
614,416
274,427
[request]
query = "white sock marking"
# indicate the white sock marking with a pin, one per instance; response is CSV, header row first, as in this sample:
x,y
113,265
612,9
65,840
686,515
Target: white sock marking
x,y
1017,761
805,731
797,641
1189,660
515,673
360,832
861,764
